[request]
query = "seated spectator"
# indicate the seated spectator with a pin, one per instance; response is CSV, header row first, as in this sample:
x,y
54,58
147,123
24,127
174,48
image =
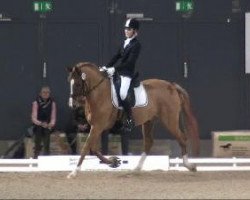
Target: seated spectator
x,y
43,117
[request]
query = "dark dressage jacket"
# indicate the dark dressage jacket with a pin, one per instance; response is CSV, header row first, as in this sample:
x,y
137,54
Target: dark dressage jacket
x,y
127,58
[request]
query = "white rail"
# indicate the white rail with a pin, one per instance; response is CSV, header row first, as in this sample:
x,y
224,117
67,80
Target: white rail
x,y
18,165
18,161
67,163
213,164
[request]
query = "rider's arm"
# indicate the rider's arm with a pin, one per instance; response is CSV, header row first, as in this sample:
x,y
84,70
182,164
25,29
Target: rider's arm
x,y
115,58
133,55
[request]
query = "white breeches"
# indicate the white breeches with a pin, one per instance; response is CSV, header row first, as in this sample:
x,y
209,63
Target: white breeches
x,y
125,83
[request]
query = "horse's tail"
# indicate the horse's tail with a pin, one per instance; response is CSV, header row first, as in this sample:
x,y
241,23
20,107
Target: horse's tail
x,y
190,122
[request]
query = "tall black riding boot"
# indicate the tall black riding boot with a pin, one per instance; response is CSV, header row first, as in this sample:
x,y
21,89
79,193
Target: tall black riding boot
x,y
130,124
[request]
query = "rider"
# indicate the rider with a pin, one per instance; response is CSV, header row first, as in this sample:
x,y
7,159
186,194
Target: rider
x,y
127,56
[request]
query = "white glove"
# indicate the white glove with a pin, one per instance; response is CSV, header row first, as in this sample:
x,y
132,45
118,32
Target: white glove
x,y
110,71
103,68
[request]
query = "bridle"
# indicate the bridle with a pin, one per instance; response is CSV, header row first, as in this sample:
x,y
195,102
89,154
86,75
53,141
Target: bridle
x,y
89,90
83,92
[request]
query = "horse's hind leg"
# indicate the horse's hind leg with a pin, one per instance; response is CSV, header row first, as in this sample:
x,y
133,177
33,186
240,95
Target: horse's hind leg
x,y
147,142
172,124
183,144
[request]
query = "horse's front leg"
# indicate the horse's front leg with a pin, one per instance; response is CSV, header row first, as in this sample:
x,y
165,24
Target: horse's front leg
x,y
91,139
102,158
111,161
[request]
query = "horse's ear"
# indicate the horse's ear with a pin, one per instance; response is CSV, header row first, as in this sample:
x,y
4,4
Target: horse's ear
x,y
77,70
69,69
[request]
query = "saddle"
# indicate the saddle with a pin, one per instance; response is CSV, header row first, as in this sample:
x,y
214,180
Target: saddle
x,y
136,97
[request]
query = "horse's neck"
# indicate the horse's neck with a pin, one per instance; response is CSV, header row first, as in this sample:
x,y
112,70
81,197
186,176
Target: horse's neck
x,y
101,88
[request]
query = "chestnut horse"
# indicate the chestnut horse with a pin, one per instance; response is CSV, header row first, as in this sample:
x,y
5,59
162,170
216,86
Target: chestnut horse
x,y
166,101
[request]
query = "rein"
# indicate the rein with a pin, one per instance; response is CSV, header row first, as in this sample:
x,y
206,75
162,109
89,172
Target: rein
x,y
86,93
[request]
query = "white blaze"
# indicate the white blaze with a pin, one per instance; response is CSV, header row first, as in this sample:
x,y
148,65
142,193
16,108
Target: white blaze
x,y
72,81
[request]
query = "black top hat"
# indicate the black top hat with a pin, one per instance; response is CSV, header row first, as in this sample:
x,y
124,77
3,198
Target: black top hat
x,y
132,23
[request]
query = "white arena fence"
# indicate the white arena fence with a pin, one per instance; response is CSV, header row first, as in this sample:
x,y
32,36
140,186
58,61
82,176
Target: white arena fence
x,y
92,163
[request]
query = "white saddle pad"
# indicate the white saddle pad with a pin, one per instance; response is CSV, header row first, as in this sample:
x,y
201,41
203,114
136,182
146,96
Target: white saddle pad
x,y
141,98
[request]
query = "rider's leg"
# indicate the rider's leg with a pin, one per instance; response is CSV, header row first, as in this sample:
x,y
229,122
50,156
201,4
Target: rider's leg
x,y
125,83
128,110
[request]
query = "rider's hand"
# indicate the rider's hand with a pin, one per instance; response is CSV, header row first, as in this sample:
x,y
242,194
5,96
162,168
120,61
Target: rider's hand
x,y
111,71
103,68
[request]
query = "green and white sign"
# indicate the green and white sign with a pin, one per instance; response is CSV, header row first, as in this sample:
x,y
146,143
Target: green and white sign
x,y
42,6
184,5
227,138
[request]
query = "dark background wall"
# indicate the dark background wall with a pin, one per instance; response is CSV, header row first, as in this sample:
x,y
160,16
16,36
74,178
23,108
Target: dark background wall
x,y
209,44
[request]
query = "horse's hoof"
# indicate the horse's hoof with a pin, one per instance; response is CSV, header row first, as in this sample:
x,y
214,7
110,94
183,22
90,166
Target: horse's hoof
x,y
137,169
71,175
192,168
115,162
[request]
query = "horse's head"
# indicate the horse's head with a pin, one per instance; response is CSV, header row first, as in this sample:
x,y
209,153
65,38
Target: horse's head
x,y
77,85
81,78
